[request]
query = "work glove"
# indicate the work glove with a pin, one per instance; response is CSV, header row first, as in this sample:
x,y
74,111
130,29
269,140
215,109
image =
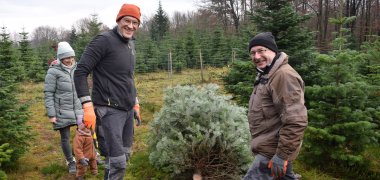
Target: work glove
x,y
84,161
278,166
136,114
89,118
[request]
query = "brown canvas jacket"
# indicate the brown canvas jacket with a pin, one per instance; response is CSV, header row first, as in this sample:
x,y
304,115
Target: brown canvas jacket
x,y
277,115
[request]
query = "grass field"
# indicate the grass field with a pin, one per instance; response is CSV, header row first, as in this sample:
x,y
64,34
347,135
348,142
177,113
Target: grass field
x,y
45,158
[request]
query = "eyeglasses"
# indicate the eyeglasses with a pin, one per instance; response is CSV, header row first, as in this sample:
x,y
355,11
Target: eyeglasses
x,y
129,21
259,51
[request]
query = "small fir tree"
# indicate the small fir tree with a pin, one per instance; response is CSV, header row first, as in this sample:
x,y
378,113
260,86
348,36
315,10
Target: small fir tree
x,y
178,56
240,81
191,50
13,117
279,17
12,69
370,68
80,41
341,118
5,156
32,66
220,52
198,130
147,55
160,25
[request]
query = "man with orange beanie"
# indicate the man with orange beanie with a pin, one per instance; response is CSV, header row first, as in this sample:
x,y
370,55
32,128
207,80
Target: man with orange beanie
x,y
110,56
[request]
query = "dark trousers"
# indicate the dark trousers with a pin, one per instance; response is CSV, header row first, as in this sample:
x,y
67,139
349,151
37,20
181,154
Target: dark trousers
x,y
260,171
65,143
117,130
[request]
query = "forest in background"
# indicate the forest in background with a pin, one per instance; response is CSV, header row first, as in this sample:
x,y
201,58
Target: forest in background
x,y
333,44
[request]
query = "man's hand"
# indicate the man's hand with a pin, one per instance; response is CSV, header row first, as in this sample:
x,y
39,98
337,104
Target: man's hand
x,y
278,166
89,118
136,114
137,118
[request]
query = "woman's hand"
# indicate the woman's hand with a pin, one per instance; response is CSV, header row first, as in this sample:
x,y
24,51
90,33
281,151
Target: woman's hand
x,y
53,120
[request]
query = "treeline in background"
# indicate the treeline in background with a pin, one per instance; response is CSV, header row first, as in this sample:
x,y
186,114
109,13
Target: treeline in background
x,y
333,44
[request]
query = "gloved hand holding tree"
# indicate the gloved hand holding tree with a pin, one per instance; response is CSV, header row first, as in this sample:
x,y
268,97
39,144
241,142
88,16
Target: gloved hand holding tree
x,y
278,166
89,117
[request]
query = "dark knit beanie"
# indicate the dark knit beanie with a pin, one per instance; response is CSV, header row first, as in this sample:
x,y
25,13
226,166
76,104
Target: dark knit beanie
x,y
265,39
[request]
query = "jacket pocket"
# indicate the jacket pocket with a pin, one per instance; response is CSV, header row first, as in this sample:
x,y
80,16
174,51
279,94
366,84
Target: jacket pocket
x,y
257,122
269,112
100,111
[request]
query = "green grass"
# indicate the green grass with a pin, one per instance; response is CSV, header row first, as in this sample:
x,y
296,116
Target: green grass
x,y
53,170
45,158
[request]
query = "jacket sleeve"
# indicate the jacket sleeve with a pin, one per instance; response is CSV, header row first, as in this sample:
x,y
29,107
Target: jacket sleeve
x,y
50,86
93,53
289,92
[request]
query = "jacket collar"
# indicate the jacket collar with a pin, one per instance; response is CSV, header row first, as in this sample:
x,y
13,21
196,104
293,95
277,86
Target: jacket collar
x,y
262,76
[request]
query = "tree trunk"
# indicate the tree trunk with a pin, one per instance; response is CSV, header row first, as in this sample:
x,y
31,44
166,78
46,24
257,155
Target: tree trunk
x,y
319,22
235,15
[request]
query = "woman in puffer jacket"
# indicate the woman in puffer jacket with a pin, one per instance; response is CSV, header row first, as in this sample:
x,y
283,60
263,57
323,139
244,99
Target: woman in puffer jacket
x,y
61,101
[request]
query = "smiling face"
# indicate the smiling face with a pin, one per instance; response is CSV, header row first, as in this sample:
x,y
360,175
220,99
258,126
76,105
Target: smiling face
x,y
262,56
68,61
127,26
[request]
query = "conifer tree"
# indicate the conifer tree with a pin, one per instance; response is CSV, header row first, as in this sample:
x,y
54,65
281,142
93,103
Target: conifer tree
x,y
205,42
370,67
341,118
5,156
240,77
240,81
160,25
13,117
33,67
178,56
147,55
93,28
191,50
73,35
278,17
9,64
220,51
199,130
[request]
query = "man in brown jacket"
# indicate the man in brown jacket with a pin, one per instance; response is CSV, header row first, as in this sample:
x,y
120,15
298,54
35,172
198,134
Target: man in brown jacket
x,y
277,115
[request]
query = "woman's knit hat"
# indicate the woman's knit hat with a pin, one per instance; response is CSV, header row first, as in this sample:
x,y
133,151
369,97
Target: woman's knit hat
x,y
129,10
265,39
64,50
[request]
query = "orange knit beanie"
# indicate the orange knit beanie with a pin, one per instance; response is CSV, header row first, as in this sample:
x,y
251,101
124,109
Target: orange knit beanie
x,y
129,10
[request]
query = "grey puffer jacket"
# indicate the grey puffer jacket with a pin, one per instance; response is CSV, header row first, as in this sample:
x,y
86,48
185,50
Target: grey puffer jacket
x,y
61,99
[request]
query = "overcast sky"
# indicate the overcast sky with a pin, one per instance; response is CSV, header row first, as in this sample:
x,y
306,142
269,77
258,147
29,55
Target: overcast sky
x,y
29,14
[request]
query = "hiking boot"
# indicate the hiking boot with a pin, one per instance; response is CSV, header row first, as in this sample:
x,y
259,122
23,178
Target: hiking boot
x,y
99,161
72,167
